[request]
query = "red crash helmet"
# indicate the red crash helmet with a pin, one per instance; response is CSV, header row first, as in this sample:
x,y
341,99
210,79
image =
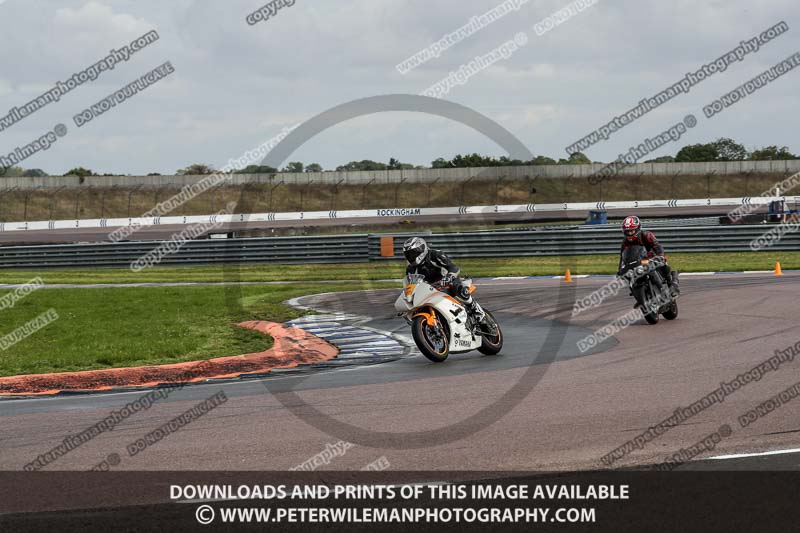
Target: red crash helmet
x,y
632,228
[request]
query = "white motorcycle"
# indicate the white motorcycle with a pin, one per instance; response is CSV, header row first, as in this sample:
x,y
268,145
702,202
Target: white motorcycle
x,y
441,325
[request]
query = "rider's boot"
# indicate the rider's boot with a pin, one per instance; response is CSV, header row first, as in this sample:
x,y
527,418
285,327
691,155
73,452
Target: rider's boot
x,y
671,278
672,281
475,310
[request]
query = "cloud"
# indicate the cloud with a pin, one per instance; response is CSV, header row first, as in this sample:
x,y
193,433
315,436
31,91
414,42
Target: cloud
x,y
237,85
98,23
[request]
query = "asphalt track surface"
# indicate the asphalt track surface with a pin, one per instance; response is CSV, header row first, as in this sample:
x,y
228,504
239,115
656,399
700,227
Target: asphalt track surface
x,y
166,231
424,416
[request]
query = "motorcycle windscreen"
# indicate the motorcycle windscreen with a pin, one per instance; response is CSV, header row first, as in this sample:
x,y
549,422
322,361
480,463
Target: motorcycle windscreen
x,y
634,254
413,279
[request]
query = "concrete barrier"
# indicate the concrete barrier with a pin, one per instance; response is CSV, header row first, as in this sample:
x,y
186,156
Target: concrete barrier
x,y
729,168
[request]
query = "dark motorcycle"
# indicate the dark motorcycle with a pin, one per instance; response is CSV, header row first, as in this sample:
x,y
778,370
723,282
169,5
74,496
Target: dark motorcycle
x,y
652,293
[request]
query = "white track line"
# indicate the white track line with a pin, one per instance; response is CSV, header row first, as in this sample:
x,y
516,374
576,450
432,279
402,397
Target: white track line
x,y
360,345
332,329
758,454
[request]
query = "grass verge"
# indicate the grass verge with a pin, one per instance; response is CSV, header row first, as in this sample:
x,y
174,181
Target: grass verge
x,y
121,327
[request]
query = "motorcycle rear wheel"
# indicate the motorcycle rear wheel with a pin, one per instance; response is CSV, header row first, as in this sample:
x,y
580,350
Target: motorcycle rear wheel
x,y
492,344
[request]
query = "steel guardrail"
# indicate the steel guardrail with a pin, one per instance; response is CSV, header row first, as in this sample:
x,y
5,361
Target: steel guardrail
x,y
355,248
587,240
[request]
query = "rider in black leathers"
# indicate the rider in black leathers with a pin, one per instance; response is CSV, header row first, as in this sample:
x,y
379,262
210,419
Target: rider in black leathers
x,y
437,268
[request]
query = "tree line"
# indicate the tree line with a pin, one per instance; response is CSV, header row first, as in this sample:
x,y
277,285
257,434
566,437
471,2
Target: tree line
x,y
723,149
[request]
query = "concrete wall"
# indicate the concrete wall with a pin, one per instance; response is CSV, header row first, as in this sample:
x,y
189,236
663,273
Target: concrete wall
x,y
412,176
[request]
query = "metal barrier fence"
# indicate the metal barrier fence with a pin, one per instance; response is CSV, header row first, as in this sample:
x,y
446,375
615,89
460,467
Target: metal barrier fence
x,y
362,247
326,249
586,240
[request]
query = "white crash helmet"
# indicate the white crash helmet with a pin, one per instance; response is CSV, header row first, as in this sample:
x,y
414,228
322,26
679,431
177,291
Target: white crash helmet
x,y
415,250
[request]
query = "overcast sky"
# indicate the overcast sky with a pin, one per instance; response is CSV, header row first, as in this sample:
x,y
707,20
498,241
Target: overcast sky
x,y
236,85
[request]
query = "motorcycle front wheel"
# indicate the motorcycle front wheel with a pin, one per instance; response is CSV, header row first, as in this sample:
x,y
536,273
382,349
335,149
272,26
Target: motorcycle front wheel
x,y
432,341
641,297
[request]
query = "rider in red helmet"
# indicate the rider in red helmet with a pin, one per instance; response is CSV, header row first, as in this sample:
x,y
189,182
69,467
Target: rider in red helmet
x,y
632,229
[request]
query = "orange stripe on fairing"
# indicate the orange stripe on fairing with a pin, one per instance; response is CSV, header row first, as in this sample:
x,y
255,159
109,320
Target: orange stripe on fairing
x,y
429,317
452,299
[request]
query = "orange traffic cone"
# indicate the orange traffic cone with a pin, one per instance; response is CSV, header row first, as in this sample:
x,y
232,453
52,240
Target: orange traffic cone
x,y
567,276
778,271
